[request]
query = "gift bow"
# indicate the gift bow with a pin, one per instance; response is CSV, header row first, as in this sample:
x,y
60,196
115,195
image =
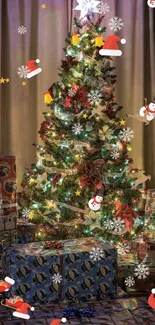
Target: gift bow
x,y
126,213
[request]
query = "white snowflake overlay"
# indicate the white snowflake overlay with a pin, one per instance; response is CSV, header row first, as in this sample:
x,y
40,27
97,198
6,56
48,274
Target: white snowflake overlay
x,y
115,154
94,96
129,282
57,278
26,212
117,226
123,248
126,134
116,24
141,271
22,72
96,254
71,92
77,128
21,30
103,8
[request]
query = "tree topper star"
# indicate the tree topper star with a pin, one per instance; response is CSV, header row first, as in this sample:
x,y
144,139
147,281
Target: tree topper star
x,y
87,7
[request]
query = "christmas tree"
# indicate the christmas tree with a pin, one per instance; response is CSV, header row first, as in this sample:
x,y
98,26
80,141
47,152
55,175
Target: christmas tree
x,y
83,183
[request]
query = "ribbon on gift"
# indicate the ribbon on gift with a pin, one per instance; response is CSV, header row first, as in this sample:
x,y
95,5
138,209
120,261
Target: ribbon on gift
x,y
53,244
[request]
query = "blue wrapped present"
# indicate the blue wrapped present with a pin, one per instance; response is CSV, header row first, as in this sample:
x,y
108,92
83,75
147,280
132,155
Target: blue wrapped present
x,y
69,270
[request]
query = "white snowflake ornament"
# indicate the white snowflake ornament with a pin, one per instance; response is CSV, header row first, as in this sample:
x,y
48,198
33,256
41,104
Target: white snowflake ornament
x,y
103,8
77,128
87,7
71,92
141,271
22,72
115,154
94,96
129,282
57,278
22,30
118,226
126,134
26,212
116,24
96,254
109,225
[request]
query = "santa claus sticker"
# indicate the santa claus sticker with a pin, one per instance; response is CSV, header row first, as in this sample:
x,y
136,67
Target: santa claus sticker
x,y
95,203
151,3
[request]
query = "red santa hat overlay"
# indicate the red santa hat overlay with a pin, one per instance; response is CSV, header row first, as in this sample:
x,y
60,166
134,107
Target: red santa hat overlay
x,y
9,280
22,311
58,321
110,47
33,69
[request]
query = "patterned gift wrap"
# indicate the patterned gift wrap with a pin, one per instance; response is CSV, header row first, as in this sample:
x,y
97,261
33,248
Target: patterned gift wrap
x,y
26,233
150,202
136,276
66,271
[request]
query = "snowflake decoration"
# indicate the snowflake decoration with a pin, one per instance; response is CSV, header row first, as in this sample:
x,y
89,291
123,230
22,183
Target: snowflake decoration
x,y
141,271
108,225
87,7
94,96
126,134
103,8
22,71
71,92
118,226
116,24
26,212
57,278
77,128
129,282
21,30
115,154
123,248
96,254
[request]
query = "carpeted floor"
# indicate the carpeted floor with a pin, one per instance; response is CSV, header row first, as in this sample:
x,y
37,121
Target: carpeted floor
x,y
126,311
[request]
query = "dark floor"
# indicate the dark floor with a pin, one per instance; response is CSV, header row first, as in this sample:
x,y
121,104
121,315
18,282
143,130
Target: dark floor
x,y
123,311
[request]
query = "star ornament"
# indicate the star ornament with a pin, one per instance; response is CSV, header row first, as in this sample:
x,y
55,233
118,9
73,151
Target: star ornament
x,y
43,6
2,80
77,193
122,122
87,7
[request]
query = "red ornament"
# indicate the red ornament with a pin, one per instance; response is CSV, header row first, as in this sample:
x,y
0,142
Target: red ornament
x,y
56,179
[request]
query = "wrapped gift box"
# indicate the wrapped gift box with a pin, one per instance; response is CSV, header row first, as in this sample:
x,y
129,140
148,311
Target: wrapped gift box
x,y
26,233
150,202
65,271
8,206
134,275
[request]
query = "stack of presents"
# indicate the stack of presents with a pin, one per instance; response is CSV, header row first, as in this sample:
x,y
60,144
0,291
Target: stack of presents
x,y
86,269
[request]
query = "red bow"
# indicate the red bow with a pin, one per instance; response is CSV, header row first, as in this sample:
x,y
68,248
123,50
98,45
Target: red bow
x,y
126,213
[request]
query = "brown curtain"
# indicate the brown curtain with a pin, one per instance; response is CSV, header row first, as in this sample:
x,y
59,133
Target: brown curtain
x,y
21,107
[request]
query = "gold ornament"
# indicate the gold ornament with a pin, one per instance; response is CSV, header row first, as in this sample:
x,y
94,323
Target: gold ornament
x,y
47,98
75,39
98,41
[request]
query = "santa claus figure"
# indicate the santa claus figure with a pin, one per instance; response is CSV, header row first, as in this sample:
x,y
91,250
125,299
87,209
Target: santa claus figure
x,y
148,110
22,310
95,203
6,284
